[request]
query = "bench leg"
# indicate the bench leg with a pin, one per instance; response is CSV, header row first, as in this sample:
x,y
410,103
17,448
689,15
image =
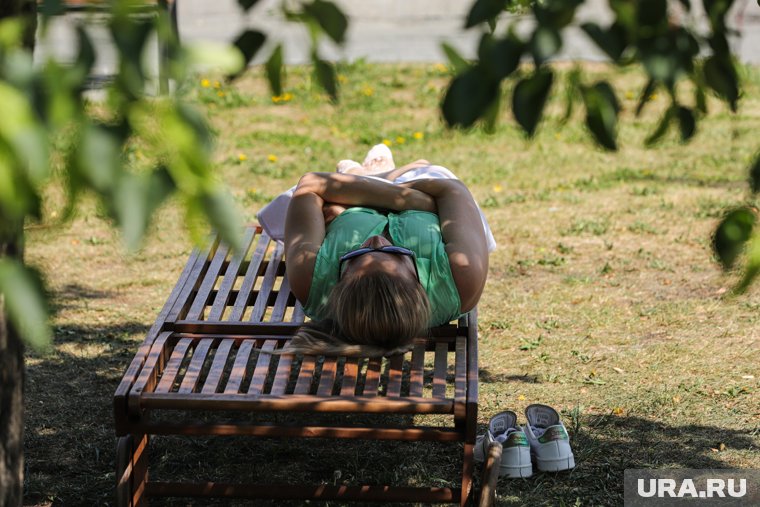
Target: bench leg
x,y
490,475
131,470
467,470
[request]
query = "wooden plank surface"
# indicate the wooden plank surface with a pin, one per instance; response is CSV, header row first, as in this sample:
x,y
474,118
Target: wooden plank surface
x,y
230,276
417,370
238,368
282,376
372,378
196,364
439,370
261,371
350,374
217,367
460,379
168,376
305,375
249,280
327,378
395,365
208,283
267,285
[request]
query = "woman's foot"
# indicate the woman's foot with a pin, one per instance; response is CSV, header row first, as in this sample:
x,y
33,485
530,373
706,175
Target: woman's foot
x,y
379,160
349,167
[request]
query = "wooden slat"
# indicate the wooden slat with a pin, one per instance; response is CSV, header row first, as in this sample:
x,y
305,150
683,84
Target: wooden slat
x,y
372,378
281,303
217,367
146,380
305,375
395,365
201,261
417,370
196,364
230,276
172,367
267,285
282,376
439,371
238,368
249,280
298,315
460,368
350,372
209,280
261,371
327,379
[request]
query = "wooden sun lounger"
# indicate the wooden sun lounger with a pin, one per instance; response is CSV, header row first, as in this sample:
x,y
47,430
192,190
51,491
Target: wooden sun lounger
x,y
207,352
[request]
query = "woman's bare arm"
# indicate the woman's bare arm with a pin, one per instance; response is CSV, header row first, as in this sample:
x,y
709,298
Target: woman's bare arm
x,y
463,235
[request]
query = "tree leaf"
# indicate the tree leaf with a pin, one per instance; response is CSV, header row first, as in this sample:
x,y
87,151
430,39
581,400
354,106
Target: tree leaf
x,y
544,44
134,200
572,87
468,97
555,14
500,57
220,209
330,18
731,235
249,43
686,122
754,175
25,303
456,61
274,71
529,98
612,41
99,158
721,76
247,4
602,109
86,55
326,76
52,8
484,10
647,92
661,129
752,268
491,114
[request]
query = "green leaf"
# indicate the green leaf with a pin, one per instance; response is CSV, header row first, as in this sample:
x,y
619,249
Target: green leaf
x,y
52,8
330,18
500,57
602,109
468,97
491,114
86,55
721,76
249,43
752,269
647,92
555,14
326,76
134,200
213,55
456,61
484,10
22,132
529,99
99,158
662,128
732,234
612,41
544,44
686,122
247,4
572,87
274,70
754,175
221,212
24,295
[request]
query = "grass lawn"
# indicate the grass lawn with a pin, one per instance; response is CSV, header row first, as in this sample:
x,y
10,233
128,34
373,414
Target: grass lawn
x,y
603,299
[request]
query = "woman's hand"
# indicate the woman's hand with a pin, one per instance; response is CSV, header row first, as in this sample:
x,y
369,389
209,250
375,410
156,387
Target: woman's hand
x,y
331,211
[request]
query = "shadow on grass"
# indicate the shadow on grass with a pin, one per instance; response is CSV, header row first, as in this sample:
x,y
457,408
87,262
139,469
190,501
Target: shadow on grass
x,y
486,377
72,295
605,446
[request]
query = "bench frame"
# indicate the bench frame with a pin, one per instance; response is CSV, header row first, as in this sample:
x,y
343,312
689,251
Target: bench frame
x,y
173,370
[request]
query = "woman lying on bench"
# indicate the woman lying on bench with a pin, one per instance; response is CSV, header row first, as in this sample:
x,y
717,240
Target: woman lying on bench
x,y
376,264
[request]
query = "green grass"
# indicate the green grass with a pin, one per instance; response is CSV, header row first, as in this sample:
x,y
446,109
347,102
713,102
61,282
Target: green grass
x,y
603,298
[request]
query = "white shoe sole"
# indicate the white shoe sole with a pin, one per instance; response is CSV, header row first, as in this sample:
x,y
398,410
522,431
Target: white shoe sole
x,y
556,464
518,472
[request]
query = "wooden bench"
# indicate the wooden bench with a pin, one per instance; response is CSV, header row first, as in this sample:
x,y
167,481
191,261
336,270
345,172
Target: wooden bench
x,y
139,8
208,352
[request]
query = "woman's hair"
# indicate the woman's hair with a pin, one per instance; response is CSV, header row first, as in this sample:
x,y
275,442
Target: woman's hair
x,y
372,315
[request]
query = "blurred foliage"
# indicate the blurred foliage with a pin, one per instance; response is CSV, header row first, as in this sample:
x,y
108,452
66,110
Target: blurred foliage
x,y
658,35
47,117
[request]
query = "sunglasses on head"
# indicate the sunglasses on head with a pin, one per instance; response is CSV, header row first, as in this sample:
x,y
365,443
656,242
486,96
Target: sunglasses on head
x,y
392,249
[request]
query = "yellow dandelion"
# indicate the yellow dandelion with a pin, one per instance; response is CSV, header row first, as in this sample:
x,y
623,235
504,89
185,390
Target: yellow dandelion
x,y
287,97
400,140
272,158
629,95
220,94
217,84
497,188
521,397
387,142
418,135
205,83
368,91
342,78
557,136
242,157
653,97
617,411
440,67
